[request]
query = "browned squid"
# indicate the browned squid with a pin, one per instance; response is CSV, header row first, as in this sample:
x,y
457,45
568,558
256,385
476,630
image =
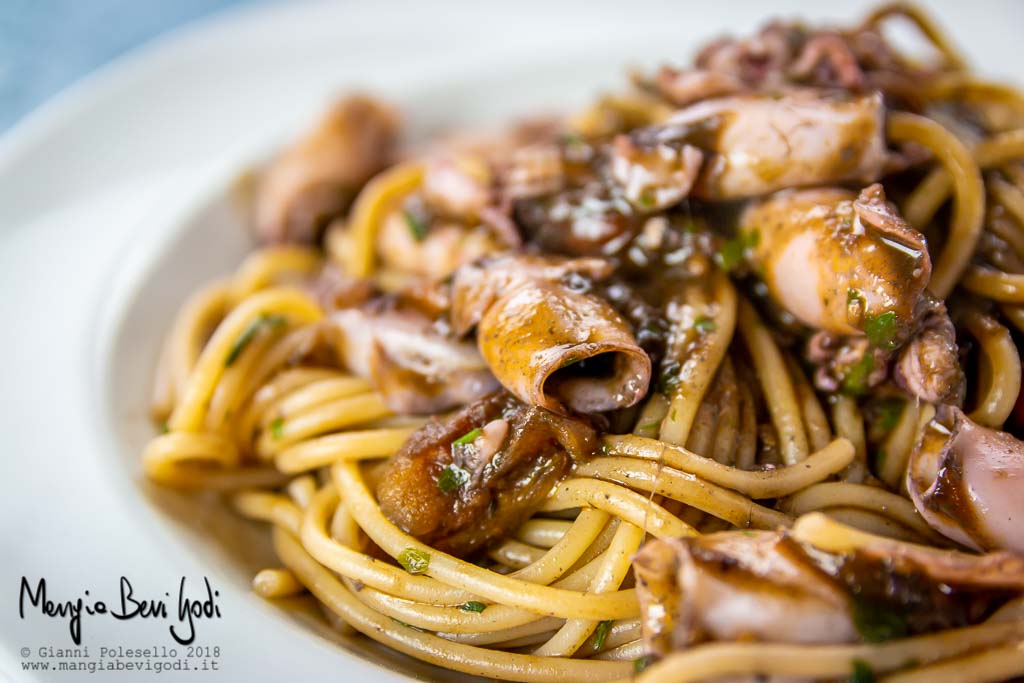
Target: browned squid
x,y
317,178
753,145
545,339
849,266
766,586
966,481
414,364
463,482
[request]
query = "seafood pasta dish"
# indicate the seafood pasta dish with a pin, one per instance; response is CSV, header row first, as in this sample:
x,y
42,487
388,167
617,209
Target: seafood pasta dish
x,y
715,379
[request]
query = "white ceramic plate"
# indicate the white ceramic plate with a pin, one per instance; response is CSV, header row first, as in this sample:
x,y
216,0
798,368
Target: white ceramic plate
x,y
113,205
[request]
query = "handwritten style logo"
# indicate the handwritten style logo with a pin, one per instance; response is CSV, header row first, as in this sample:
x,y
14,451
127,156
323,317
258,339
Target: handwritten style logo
x,y
189,609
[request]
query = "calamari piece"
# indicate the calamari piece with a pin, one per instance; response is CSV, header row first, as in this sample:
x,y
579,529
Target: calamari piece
x,y
966,481
570,350
594,219
928,367
683,87
416,243
316,179
654,177
417,368
756,145
476,286
840,262
766,586
457,186
533,171
462,483
733,586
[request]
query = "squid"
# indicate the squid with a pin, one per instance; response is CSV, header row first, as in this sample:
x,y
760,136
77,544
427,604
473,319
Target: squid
x,y
316,179
966,480
753,145
417,368
767,586
462,483
416,244
549,342
849,266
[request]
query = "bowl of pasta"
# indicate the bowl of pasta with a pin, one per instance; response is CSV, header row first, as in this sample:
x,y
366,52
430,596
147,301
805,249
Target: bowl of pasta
x,y
707,372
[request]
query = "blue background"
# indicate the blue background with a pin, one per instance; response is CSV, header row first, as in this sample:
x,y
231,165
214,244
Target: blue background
x,y
45,45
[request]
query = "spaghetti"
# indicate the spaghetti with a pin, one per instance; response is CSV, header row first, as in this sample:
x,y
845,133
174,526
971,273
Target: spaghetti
x,y
539,398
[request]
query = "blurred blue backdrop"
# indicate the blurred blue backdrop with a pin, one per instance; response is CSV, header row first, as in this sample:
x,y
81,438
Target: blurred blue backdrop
x,y
45,45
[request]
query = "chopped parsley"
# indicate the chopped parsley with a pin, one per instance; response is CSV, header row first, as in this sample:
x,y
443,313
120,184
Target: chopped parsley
x,y
889,413
473,606
414,628
417,226
704,324
277,428
452,477
668,380
641,663
877,623
468,438
264,322
881,330
414,560
164,427
862,672
879,460
733,251
601,633
648,426
571,138
856,379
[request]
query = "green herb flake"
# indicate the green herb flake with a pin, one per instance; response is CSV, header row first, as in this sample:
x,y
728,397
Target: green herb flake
x,y
668,379
571,138
473,606
264,322
877,623
730,255
641,663
862,672
452,477
879,461
164,427
402,623
889,412
414,560
752,239
601,633
911,663
704,324
277,428
468,438
881,329
856,379
416,225
853,295
605,450
646,200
